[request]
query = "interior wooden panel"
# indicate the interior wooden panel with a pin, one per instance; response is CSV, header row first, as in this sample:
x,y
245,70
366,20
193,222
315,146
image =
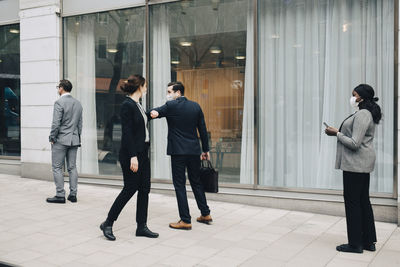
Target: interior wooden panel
x,y
219,92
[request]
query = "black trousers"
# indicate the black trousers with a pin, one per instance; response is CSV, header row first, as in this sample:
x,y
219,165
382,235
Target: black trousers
x,y
192,163
139,181
359,214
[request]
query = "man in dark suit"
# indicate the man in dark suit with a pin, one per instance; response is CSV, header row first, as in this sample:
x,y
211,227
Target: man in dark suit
x,y
65,138
185,118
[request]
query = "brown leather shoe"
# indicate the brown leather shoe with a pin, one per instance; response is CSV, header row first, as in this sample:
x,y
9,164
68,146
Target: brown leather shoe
x,y
181,225
205,219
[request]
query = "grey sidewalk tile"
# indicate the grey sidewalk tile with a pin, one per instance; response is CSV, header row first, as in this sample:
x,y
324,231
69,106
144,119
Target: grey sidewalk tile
x,y
239,254
287,247
252,244
220,261
262,261
392,244
197,251
60,258
90,247
215,243
137,259
339,262
20,256
123,249
386,258
39,263
180,261
265,236
274,229
100,258
160,250
396,234
366,256
179,241
318,253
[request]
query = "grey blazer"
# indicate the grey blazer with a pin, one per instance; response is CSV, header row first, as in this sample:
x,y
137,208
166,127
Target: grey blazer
x,y
355,148
66,128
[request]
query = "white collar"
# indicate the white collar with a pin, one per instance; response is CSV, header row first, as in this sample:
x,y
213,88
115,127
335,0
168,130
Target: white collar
x,y
65,94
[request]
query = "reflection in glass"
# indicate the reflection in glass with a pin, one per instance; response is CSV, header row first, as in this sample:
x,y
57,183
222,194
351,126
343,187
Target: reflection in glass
x,y
204,46
10,141
101,50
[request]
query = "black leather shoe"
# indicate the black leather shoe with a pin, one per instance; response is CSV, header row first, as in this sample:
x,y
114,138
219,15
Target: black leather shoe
x,y
369,247
107,231
72,198
56,199
349,248
144,231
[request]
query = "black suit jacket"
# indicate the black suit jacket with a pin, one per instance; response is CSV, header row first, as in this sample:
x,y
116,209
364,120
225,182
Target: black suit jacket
x,y
184,118
133,130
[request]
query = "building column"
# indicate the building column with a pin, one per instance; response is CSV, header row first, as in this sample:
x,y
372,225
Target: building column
x,y
397,60
41,69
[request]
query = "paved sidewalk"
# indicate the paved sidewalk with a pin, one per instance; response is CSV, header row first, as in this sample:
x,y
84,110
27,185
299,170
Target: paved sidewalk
x,y
35,233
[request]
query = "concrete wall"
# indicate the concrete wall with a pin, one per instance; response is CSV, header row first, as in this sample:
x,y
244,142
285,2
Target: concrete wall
x,y
398,117
9,10
41,70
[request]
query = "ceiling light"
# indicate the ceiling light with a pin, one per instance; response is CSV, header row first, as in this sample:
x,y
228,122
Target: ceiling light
x,y
112,50
185,43
215,50
274,36
14,31
240,54
175,59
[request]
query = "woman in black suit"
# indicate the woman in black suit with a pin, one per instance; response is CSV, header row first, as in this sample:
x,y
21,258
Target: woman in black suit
x,y
134,159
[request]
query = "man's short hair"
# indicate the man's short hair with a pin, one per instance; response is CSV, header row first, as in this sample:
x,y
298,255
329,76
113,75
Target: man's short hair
x,y
177,86
66,85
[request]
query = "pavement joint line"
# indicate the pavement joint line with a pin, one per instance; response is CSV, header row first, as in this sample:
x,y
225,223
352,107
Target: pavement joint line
x,y
382,248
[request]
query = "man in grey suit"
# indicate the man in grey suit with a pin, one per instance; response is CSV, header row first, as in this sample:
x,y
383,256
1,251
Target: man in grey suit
x,y
65,138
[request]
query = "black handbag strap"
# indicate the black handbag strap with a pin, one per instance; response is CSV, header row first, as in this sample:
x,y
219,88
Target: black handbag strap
x,y
206,164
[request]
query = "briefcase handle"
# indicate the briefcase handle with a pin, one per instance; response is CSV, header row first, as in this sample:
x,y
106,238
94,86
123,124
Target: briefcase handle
x,y
205,163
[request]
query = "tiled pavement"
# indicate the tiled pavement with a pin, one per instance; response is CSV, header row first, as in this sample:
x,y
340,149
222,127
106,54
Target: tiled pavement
x,y
35,233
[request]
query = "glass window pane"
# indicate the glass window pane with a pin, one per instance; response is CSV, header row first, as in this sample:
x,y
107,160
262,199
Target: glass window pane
x,y
101,51
10,141
312,54
205,45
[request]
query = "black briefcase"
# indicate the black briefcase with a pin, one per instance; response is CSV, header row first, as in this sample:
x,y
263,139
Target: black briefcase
x,y
209,177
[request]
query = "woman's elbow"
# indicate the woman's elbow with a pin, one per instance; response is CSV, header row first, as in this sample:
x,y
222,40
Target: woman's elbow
x,y
355,146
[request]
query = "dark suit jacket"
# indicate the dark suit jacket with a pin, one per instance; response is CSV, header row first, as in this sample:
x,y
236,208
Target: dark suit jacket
x,y
133,130
184,118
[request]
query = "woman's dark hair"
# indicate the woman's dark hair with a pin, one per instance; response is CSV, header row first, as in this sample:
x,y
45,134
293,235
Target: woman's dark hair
x,y
366,92
133,83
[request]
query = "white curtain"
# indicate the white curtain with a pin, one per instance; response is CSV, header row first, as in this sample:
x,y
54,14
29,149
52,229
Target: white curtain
x,y
161,76
312,54
247,148
80,51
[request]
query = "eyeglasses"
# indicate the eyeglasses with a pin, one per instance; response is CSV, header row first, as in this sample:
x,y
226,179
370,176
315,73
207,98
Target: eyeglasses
x,y
58,87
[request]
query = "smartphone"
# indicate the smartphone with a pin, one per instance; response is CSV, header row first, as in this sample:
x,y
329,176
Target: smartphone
x,y
326,125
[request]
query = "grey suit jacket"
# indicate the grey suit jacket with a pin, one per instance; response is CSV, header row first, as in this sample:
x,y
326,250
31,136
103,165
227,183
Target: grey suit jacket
x,y
66,128
355,148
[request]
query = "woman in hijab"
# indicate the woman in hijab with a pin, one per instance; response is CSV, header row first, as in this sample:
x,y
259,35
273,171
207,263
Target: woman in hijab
x,y
355,156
